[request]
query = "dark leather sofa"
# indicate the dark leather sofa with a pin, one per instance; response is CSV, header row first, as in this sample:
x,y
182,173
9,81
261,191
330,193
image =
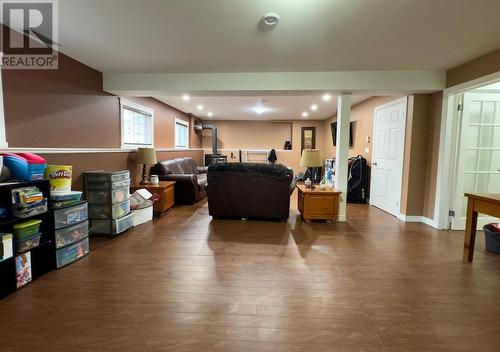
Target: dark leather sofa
x,y
249,190
191,180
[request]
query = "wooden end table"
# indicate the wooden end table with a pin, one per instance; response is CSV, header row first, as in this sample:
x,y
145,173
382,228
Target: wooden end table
x,y
316,204
485,203
165,189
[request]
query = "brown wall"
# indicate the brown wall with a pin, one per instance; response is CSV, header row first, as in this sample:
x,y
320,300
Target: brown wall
x,y
482,66
66,108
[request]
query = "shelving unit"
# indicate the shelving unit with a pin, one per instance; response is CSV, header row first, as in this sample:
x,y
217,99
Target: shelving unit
x,y
42,256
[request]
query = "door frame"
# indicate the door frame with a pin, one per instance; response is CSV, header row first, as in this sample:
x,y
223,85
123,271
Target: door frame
x,y
447,152
403,100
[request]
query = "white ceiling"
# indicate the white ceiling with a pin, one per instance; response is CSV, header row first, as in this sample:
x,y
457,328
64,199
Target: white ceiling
x,y
313,35
279,107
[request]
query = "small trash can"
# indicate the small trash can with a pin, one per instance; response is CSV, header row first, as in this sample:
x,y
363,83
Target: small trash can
x,y
492,238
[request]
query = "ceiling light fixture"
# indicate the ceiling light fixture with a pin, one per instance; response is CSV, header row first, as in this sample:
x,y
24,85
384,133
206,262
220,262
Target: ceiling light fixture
x,y
327,97
210,114
186,97
305,114
200,107
314,107
259,110
271,19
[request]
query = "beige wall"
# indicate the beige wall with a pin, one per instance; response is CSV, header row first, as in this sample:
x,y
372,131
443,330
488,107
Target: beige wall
x,y
362,115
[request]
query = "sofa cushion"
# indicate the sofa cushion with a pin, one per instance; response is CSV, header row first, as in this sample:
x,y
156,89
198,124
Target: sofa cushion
x,y
187,165
170,167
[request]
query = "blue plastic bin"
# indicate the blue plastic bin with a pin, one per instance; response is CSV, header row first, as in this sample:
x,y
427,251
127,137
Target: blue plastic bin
x,y
491,238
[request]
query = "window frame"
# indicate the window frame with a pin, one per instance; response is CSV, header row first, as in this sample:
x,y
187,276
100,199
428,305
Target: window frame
x,y
186,124
130,105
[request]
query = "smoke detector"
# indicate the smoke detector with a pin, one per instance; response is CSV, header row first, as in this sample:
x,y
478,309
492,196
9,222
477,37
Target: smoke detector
x,y
270,19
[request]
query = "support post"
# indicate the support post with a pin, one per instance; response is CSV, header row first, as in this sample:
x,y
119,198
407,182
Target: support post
x,y
342,150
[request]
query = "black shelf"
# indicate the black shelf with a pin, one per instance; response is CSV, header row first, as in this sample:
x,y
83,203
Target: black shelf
x,y
42,256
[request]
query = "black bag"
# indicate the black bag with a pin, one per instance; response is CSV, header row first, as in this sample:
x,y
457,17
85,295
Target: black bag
x,y
358,180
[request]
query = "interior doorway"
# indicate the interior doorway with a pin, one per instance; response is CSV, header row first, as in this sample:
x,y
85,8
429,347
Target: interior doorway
x,y
389,125
476,147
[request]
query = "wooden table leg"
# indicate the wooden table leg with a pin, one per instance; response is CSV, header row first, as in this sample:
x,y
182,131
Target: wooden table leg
x,y
470,232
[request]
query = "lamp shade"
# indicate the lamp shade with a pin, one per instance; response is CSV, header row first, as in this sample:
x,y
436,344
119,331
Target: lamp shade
x,y
146,156
311,158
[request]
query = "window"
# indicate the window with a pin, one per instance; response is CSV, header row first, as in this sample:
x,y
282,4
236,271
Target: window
x,y
181,133
137,125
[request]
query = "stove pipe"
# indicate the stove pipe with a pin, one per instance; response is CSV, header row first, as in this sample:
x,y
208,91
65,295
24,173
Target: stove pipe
x,y
214,136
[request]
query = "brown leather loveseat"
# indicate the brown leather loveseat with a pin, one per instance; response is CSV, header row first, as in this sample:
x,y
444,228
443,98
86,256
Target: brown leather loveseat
x,y
191,180
249,190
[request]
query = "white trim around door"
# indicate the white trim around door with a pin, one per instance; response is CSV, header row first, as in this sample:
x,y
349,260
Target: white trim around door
x,y
445,172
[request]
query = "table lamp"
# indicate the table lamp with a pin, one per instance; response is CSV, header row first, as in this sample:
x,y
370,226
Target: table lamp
x,y
145,156
311,158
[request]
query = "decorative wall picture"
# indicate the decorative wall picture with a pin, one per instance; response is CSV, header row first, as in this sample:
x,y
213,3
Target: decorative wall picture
x,y
308,138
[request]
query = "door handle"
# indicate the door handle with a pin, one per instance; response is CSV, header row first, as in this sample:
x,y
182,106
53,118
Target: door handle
x,y
374,163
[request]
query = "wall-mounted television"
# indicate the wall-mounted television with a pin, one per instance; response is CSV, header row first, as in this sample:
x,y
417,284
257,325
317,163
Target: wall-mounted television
x,y
333,126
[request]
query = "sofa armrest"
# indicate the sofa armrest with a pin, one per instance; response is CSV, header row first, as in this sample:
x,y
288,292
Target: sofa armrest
x,y
202,169
190,178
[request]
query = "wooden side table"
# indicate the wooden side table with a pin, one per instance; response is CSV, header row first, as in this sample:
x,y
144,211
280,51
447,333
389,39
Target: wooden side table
x,y
316,204
165,189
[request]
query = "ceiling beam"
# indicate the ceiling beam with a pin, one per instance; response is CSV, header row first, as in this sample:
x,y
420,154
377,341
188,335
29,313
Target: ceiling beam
x,y
362,82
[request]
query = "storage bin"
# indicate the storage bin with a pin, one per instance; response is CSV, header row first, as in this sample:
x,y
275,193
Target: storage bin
x,y
65,196
111,226
491,238
72,234
26,243
109,211
144,214
26,229
27,210
70,215
72,253
108,196
101,179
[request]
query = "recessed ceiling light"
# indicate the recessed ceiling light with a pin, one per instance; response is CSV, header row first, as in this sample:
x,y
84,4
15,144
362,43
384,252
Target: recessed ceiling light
x,y
305,114
210,114
186,97
271,19
327,97
314,107
259,110
200,107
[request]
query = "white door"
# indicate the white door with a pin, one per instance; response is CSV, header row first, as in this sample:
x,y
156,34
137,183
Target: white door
x,y
387,158
478,160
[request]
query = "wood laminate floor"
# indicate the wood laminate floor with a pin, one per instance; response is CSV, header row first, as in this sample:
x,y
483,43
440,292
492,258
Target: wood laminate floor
x,y
187,283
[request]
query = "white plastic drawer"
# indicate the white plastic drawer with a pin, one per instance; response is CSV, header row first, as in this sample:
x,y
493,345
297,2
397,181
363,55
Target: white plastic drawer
x,y
108,196
70,215
72,234
72,253
108,211
111,226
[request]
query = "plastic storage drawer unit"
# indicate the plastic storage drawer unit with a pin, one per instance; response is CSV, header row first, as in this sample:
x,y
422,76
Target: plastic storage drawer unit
x,y
106,180
72,253
111,227
70,215
108,196
72,234
109,211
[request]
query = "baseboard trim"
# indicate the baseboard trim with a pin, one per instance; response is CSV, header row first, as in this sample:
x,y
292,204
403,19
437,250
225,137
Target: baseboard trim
x,y
417,218
342,218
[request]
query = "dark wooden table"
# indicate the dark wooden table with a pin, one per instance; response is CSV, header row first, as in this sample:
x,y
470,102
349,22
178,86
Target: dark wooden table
x,y
485,203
